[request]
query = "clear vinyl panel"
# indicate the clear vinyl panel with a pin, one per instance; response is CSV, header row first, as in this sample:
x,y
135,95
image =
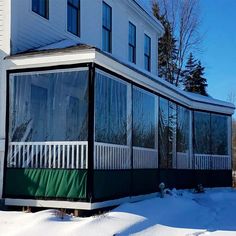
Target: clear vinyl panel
x,y
202,133
219,134
164,133
172,162
211,141
112,150
183,159
144,129
48,119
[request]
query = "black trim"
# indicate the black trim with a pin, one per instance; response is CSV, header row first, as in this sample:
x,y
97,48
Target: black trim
x,y
91,80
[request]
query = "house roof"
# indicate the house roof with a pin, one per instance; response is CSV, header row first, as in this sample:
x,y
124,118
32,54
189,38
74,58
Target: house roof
x,y
148,11
68,46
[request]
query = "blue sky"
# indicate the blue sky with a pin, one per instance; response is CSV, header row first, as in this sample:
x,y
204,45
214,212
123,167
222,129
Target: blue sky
x,y
218,27
219,46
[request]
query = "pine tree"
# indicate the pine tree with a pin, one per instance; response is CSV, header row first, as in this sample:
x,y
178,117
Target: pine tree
x,y
193,77
190,67
200,82
167,52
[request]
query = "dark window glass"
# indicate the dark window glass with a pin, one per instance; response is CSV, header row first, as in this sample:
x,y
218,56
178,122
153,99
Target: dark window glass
x,y
41,7
132,43
110,110
219,134
202,133
106,28
73,16
144,124
147,53
49,107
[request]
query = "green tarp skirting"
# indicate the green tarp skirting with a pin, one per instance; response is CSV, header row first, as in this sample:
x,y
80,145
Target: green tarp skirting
x,y
46,183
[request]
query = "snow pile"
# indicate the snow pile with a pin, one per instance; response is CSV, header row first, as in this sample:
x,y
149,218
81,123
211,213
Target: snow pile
x,y
181,212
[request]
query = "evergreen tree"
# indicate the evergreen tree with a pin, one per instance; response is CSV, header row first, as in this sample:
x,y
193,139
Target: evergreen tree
x,y
200,82
193,77
167,52
188,80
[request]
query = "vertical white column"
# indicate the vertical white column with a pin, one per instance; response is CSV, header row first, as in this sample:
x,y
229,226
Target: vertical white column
x,y
191,155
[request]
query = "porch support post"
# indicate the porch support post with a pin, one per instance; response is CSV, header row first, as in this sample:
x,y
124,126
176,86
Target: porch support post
x,y
91,79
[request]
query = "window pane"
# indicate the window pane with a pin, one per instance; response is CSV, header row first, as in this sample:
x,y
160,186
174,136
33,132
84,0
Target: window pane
x,y
49,107
147,45
110,110
132,34
143,119
106,24
106,40
132,43
202,132
106,16
219,134
131,54
73,17
40,7
146,63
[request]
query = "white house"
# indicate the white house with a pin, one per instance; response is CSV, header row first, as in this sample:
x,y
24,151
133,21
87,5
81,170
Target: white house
x,y
85,120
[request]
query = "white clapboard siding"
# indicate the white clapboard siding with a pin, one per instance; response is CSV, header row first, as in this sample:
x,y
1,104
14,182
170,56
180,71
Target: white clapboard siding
x,y
62,155
31,31
111,156
4,28
214,162
145,158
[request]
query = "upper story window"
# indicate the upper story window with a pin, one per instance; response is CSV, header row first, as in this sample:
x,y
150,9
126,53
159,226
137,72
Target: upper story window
x,y
147,52
106,27
41,7
73,16
132,42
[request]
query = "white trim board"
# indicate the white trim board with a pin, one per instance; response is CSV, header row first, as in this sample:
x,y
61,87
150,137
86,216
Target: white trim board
x,y
76,205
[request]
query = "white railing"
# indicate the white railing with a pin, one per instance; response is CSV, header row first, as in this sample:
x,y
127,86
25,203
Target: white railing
x,y
66,155
145,158
111,156
214,162
183,160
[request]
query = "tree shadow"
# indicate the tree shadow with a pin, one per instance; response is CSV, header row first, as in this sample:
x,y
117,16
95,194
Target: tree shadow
x,y
202,212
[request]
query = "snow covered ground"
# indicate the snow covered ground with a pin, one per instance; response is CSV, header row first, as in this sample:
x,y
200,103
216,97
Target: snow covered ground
x,y
182,213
